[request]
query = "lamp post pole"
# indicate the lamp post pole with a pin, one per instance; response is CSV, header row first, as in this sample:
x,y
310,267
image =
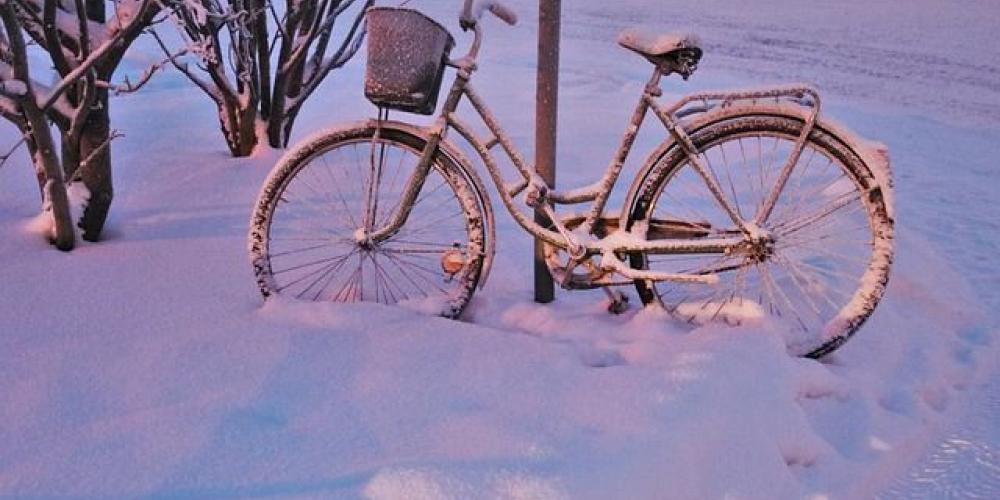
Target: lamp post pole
x,y
546,118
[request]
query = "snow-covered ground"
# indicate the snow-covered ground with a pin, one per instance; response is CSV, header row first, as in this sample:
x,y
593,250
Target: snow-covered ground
x,y
147,365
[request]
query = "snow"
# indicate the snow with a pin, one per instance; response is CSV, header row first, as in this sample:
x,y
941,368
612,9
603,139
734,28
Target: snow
x,y
147,365
79,196
963,463
43,223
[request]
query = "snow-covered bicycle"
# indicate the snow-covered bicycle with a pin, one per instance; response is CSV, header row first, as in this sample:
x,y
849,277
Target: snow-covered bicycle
x,y
754,208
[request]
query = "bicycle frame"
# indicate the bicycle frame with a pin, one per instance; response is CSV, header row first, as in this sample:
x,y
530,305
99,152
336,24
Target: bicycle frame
x,y
541,196
815,259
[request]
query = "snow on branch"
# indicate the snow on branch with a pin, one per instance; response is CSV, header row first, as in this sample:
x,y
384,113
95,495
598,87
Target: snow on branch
x,y
31,120
259,66
174,59
84,41
63,19
319,66
80,71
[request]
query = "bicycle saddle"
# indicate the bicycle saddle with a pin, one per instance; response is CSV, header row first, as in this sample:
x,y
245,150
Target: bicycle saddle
x,y
671,52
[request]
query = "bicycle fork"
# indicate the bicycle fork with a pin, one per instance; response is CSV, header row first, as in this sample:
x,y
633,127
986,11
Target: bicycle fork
x,y
416,181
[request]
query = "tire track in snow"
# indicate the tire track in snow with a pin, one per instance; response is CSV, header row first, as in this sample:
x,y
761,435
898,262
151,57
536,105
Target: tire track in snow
x,y
966,462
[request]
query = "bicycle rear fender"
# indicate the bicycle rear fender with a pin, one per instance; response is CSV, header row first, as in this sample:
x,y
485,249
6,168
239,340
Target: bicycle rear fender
x,y
875,155
455,155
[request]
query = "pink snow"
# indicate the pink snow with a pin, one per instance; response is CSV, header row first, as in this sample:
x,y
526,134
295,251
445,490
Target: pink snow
x,y
147,364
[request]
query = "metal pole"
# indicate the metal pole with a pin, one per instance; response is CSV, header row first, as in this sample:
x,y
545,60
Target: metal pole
x,y
546,117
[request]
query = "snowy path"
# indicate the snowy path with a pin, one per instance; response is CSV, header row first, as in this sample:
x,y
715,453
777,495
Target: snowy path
x,y
966,462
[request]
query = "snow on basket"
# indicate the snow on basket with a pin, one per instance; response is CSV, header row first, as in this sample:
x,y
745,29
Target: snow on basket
x,y
406,55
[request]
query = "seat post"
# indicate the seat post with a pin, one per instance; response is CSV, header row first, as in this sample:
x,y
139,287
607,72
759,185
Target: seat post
x,y
653,85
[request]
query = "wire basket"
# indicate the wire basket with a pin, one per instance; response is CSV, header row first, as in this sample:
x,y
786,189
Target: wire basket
x,y
406,55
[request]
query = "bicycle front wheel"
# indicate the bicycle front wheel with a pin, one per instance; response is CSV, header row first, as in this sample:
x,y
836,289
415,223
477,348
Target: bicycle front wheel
x,y
829,250
307,233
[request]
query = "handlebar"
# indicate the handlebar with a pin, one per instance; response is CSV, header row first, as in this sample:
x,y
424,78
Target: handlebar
x,y
473,10
468,19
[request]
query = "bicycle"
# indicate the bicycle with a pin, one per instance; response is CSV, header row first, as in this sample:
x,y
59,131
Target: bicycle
x,y
753,207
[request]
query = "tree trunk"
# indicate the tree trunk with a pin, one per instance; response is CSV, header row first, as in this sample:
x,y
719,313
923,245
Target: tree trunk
x,y
263,57
87,158
38,134
290,117
39,169
54,191
94,169
239,127
276,118
276,131
46,162
70,154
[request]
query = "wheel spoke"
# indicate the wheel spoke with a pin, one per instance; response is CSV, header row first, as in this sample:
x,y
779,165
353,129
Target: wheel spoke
x,y
333,264
303,249
311,247
819,241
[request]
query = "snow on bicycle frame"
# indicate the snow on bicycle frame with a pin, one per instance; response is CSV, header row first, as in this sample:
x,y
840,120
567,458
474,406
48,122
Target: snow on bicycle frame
x,y
597,250
539,195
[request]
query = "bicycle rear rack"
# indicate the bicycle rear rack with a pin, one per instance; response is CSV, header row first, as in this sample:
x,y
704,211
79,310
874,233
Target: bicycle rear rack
x,y
702,102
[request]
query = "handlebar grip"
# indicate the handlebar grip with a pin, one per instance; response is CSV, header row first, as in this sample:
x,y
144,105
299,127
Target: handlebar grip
x,y
506,14
472,10
465,18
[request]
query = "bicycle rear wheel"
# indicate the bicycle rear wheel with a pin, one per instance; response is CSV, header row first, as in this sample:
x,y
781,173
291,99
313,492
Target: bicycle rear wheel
x,y
307,232
827,264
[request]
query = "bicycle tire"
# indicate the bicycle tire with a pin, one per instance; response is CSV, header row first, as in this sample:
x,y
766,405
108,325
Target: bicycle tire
x,y
307,199
822,319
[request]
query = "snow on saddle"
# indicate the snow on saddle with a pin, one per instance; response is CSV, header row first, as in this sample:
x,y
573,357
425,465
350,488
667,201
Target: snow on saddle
x,y
670,52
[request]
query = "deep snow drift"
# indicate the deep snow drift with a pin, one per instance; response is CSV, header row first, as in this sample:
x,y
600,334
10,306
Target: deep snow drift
x,y
147,364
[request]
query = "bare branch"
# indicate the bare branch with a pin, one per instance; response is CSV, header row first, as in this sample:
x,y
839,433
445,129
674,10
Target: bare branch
x,y
279,22
31,12
263,66
183,68
350,46
352,42
11,110
28,14
255,72
81,13
53,44
301,48
82,109
36,129
323,38
215,66
4,157
94,58
128,87
100,149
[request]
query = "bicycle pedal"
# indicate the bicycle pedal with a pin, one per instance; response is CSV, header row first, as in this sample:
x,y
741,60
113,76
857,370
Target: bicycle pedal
x,y
618,301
